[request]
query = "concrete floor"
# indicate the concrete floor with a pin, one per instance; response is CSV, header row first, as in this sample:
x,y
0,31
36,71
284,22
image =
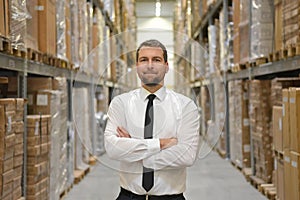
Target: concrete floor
x,y
211,178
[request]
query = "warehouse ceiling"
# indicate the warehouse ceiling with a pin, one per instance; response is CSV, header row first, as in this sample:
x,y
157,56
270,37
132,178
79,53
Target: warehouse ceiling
x,y
146,8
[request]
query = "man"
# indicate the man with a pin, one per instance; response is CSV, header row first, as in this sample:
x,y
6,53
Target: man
x,y
152,131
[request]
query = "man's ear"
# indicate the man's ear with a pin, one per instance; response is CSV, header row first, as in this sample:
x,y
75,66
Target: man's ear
x,y
167,67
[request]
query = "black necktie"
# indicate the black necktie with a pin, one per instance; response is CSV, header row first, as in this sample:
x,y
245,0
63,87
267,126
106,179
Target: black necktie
x,y
148,174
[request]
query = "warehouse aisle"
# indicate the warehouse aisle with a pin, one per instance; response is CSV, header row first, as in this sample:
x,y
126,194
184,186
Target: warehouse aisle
x,y
212,178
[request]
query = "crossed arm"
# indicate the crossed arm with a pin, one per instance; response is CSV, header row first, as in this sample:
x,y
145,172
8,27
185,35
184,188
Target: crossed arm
x,y
156,153
163,142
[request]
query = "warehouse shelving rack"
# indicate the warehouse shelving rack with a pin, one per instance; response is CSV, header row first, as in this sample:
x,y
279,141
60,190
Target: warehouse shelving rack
x,y
11,65
289,66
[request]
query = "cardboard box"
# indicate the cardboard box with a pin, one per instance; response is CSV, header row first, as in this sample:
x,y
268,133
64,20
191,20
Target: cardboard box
x,y
35,84
8,177
31,39
277,128
287,174
295,185
286,119
278,39
5,18
17,182
17,193
279,178
47,27
294,119
18,160
18,171
7,189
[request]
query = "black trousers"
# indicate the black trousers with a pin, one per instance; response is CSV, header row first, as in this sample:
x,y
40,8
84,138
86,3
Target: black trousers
x,y
127,195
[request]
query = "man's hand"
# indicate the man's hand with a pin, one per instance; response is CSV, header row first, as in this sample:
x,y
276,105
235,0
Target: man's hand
x,y
122,132
167,142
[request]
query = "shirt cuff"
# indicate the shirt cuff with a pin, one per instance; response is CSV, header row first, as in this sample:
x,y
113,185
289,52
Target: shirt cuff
x,y
153,146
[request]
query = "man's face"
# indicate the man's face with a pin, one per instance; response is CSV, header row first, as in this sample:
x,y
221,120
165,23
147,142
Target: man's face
x,y
151,67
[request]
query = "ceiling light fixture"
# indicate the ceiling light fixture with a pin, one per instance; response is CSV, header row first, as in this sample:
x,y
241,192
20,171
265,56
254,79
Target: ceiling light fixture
x,y
157,8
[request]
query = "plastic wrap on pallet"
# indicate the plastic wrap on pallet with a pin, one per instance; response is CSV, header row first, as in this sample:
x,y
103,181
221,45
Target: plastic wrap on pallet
x,y
81,112
70,153
262,29
110,8
55,144
61,45
83,35
74,33
239,123
19,14
219,94
244,32
60,84
31,38
212,38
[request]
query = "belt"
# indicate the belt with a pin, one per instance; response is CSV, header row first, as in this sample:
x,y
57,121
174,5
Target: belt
x,y
149,197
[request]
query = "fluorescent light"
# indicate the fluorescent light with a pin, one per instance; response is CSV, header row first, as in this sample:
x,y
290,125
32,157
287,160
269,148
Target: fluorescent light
x,y
157,8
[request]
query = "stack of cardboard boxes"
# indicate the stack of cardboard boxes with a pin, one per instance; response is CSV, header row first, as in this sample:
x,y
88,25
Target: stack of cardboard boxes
x,y
38,156
260,117
11,148
291,141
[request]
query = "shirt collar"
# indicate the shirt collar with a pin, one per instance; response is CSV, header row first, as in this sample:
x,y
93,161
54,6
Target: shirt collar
x,y
160,94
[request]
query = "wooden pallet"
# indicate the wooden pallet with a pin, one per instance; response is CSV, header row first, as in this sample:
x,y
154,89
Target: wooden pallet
x,y
260,61
34,55
278,154
66,191
275,56
48,59
78,176
93,160
247,172
221,152
283,54
236,165
256,182
19,53
5,45
269,190
291,51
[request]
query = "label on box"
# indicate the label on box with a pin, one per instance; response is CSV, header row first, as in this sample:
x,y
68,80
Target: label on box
x,y
42,100
285,99
36,130
246,96
247,148
30,99
292,100
246,122
39,8
294,164
283,110
9,121
287,159
280,124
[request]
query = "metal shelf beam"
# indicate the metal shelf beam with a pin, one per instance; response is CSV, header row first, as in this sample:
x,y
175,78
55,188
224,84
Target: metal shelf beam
x,y
289,64
211,12
12,63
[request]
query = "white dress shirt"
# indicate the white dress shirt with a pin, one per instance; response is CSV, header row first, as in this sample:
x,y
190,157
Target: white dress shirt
x,y
174,116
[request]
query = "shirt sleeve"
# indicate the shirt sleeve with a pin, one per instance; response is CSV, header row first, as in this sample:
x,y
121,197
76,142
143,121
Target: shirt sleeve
x,y
125,149
184,153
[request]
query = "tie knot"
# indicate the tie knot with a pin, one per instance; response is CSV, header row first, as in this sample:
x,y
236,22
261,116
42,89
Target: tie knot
x,y
151,97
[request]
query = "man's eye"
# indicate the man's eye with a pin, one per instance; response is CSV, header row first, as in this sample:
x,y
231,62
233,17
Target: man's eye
x,y
157,60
